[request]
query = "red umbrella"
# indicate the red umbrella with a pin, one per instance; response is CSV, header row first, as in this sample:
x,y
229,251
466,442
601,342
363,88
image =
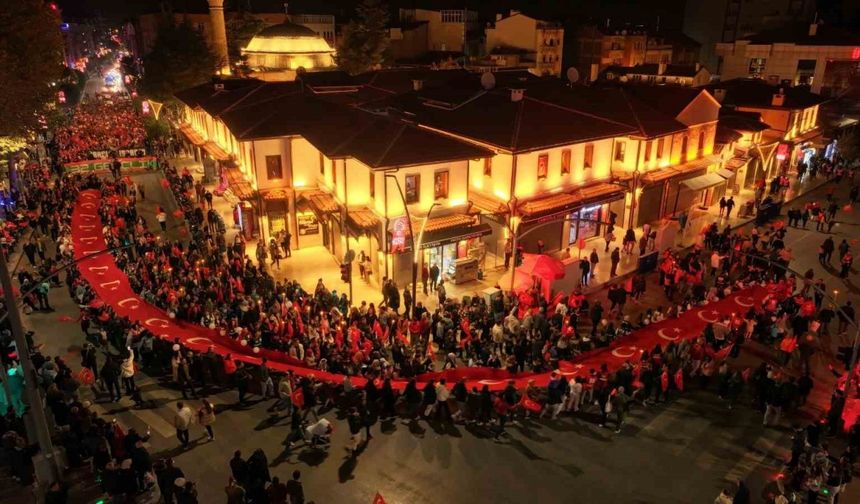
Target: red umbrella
x,y
543,266
522,281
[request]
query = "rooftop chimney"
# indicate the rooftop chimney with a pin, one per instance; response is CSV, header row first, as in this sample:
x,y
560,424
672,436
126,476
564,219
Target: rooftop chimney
x,y
778,99
417,84
517,95
813,29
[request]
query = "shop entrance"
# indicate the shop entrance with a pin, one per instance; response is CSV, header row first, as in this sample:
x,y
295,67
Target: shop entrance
x,y
585,223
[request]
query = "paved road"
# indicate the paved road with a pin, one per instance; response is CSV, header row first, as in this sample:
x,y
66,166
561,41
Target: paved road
x,y
681,452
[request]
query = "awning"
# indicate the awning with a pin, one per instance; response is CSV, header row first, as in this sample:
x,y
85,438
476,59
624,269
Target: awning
x,y
361,221
215,151
444,236
703,181
807,137
669,172
275,194
240,187
488,204
725,173
561,203
320,203
737,162
191,134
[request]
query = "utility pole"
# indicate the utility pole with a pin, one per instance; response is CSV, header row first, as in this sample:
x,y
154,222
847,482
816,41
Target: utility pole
x,y
34,399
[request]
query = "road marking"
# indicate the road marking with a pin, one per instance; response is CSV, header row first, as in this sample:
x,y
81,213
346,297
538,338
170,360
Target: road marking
x,y
762,448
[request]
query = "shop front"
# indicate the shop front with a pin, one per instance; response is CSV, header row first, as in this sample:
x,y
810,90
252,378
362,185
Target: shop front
x,y
317,222
459,250
561,220
364,228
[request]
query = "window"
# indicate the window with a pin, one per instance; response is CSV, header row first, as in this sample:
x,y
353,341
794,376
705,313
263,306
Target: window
x,y
647,151
273,168
413,189
660,144
701,143
565,161
488,167
543,166
372,185
620,149
684,149
333,172
757,65
588,157
440,185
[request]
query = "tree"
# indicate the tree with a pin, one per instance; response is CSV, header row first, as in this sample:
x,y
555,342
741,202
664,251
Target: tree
x,y
240,30
362,45
180,59
31,56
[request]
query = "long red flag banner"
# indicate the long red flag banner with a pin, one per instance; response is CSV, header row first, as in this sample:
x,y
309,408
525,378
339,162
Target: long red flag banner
x,y
112,286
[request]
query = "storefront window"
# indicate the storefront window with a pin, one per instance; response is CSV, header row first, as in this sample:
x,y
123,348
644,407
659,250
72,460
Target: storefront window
x,y
277,212
620,149
585,223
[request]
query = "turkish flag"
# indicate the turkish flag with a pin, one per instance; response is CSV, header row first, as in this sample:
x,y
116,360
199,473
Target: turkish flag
x,y
378,499
298,398
679,380
530,405
723,353
664,381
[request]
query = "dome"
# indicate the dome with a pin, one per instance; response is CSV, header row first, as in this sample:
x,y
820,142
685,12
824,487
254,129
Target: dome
x,y
288,38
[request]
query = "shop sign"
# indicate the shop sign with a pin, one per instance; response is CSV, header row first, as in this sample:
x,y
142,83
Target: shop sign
x,y
399,234
782,151
308,224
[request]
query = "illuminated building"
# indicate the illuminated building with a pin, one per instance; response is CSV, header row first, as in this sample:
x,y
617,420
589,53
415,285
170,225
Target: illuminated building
x,y
344,161
279,51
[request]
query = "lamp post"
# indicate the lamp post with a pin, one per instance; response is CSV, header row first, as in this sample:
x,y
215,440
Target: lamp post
x,y
417,250
411,232
34,399
634,198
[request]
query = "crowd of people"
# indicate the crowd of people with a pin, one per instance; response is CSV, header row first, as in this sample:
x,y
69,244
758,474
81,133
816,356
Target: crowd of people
x,y
203,279
104,125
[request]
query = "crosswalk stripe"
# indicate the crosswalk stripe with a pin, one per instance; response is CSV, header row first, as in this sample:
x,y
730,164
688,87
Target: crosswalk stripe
x,y
762,448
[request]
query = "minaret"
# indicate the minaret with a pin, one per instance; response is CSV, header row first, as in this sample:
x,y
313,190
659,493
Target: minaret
x,y
219,35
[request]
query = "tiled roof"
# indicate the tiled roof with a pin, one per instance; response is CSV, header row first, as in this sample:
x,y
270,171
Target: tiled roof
x,y
668,172
486,203
569,201
445,222
238,184
364,219
192,134
275,194
758,93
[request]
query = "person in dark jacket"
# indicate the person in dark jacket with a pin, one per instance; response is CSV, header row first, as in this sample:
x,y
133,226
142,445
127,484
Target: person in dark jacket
x,y
294,489
239,468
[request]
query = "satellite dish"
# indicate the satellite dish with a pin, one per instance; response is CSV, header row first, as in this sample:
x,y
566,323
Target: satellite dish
x,y
488,80
572,75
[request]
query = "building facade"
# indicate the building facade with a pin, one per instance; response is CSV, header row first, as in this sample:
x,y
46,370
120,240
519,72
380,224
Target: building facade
x,y
718,21
598,47
821,57
521,41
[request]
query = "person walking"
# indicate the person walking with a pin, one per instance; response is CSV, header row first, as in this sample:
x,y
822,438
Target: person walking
x,y
161,217
730,203
267,386
434,277
356,428
295,491
206,417
287,244
615,258
127,371
593,259
620,402
585,272
847,261
275,253
825,252
110,376
242,380
181,421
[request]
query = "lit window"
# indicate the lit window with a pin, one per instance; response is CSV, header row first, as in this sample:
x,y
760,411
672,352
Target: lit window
x,y
273,168
565,161
413,189
488,167
543,166
647,151
660,144
620,149
440,185
372,185
588,157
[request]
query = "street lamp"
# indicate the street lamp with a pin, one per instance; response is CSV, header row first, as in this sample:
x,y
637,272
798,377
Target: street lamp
x,y
411,232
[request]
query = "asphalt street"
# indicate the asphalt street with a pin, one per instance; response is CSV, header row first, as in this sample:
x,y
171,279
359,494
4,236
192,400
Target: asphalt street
x,y
682,452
